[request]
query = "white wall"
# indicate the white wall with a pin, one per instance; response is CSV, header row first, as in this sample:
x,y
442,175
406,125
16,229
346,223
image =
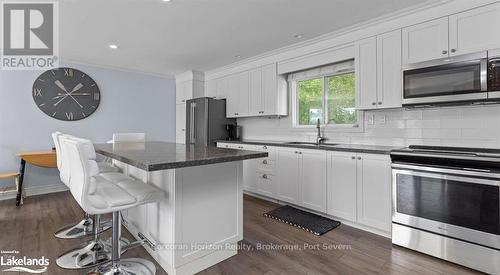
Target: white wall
x,y
475,126
130,102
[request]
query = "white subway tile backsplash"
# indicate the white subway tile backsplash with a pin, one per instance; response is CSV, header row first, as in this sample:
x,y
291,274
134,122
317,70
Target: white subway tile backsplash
x,y
440,133
477,126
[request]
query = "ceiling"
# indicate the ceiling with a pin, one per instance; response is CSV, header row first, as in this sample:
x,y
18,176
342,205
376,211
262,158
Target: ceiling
x,y
171,37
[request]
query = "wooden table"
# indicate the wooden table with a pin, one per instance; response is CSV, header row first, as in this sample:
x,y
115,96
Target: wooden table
x,y
38,158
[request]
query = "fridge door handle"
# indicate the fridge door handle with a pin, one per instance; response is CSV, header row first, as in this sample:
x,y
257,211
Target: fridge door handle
x,y
192,109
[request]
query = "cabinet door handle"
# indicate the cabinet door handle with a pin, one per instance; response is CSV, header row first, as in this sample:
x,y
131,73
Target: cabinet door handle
x,y
264,147
374,103
444,52
380,103
359,158
353,157
183,100
264,176
453,50
264,161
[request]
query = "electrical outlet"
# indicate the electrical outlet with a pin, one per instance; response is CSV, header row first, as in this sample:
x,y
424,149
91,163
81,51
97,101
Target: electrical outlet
x,y
371,119
382,120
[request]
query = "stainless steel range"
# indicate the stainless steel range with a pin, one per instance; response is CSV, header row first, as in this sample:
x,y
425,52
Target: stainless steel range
x,y
446,203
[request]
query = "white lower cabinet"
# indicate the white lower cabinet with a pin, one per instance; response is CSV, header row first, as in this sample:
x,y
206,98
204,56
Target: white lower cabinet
x,y
355,187
266,184
313,179
301,177
359,188
342,176
374,191
287,172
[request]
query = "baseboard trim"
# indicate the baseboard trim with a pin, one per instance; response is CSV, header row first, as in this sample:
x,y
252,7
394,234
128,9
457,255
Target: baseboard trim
x,y
34,191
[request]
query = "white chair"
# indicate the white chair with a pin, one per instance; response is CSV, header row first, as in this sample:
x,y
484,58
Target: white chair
x,y
85,226
129,137
97,195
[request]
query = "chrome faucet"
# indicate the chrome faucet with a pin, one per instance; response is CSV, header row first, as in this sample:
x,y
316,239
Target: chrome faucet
x,y
319,138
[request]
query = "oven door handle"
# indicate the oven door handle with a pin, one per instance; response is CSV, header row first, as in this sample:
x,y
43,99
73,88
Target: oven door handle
x,y
447,174
484,74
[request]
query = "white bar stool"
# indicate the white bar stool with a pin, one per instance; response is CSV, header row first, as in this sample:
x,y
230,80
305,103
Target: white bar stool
x,y
84,227
99,196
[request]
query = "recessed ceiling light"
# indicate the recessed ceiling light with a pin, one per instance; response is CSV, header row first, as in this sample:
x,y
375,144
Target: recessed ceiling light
x,y
166,0
298,36
237,56
113,46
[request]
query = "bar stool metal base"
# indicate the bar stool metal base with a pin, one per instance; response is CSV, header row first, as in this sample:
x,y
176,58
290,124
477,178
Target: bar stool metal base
x,y
129,266
81,229
88,255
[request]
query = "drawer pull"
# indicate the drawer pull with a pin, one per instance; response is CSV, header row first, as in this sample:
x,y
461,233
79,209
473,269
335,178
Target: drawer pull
x,y
264,176
264,147
264,161
353,157
359,158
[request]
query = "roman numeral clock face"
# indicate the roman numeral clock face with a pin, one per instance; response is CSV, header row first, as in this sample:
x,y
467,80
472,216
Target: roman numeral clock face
x,y
66,94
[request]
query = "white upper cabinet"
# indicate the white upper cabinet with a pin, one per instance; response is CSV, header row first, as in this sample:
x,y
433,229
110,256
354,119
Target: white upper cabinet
x,y
475,30
378,71
313,179
231,95
256,102
257,92
222,87
462,33
243,93
425,41
389,73
365,62
237,95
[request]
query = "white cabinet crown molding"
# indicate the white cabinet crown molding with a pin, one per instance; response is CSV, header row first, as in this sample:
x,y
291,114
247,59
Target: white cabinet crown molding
x,y
426,11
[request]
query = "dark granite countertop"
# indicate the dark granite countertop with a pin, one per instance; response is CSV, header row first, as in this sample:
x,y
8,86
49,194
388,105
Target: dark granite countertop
x,y
375,149
157,155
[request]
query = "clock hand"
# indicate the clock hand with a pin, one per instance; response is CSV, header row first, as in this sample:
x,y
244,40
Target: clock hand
x,y
77,87
61,86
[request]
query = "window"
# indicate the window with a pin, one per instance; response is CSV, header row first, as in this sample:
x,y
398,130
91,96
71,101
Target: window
x,y
327,94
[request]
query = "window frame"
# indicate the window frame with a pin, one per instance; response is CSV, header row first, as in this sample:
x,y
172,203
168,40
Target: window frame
x,y
357,127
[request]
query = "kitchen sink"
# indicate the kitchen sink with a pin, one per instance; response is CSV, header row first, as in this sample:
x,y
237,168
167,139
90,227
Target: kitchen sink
x,y
310,143
300,143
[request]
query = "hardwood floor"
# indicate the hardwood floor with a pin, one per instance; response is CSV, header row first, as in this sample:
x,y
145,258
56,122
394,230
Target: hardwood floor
x,y
29,229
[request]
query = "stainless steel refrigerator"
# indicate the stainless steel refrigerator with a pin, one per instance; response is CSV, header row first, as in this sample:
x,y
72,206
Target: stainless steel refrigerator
x,y
206,121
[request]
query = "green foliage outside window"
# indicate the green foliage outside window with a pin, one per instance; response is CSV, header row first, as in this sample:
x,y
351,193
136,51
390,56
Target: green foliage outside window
x,y
339,96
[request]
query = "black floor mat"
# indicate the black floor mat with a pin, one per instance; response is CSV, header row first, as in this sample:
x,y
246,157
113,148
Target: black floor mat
x,y
309,222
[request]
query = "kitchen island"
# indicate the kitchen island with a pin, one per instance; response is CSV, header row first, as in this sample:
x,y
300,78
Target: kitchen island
x,y
201,220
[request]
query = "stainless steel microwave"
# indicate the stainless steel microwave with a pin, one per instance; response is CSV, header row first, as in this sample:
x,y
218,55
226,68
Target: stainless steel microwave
x,y
461,79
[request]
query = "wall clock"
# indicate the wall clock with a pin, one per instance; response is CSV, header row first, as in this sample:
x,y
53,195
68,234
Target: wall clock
x,y
66,94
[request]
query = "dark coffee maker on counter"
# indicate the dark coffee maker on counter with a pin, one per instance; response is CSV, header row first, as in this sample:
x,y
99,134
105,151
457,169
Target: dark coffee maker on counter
x,y
233,131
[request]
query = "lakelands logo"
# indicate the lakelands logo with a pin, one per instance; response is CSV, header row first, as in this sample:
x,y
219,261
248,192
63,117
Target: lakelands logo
x,y
29,35
22,264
